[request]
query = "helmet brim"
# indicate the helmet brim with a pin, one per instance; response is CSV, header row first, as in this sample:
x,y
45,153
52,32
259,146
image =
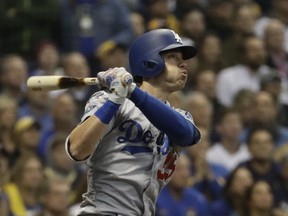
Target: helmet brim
x,y
187,51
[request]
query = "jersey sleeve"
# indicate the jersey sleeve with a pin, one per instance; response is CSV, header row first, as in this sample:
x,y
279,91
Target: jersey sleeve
x,y
92,105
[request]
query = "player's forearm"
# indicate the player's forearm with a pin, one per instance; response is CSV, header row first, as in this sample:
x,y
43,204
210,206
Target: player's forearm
x,y
84,137
179,129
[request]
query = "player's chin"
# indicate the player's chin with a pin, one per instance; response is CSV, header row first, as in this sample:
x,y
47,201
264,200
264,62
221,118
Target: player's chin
x,y
182,80
181,83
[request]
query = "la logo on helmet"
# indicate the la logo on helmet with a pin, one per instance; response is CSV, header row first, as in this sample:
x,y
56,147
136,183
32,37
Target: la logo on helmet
x,y
177,38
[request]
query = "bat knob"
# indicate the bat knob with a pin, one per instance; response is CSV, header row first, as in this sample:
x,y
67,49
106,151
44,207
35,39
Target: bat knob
x,y
127,79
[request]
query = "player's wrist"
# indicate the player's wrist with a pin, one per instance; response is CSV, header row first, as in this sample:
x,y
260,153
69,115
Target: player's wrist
x,y
116,99
107,111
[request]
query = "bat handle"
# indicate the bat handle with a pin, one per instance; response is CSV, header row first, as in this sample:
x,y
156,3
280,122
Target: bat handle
x,y
91,81
127,79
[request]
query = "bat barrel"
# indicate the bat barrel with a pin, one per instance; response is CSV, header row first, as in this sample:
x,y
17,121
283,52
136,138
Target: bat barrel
x,y
39,83
43,82
56,82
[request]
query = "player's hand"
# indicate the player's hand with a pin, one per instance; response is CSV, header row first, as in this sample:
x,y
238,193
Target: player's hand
x,y
117,81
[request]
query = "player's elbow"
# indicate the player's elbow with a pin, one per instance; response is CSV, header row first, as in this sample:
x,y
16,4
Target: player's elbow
x,y
77,151
188,136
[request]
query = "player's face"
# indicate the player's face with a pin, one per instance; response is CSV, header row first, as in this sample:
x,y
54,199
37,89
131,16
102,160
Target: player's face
x,y
175,73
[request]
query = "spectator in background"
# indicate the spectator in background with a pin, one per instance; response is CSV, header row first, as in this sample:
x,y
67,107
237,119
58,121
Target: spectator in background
x,y
278,11
209,53
27,132
274,40
280,153
219,17
64,119
243,103
272,84
47,60
75,65
245,75
182,6
277,55
13,76
8,117
259,200
132,4
5,175
281,191
111,55
55,200
201,108
243,25
86,24
192,25
208,178
233,196
265,115
138,23
179,199
158,14
255,7
265,7
4,170
24,189
262,166
229,151
59,166
205,82
24,24
79,191
37,105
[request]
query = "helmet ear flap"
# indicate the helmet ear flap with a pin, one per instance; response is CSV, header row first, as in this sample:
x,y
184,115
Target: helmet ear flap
x,y
150,65
153,67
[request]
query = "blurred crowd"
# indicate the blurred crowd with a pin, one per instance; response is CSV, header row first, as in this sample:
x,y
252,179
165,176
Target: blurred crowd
x,y
237,93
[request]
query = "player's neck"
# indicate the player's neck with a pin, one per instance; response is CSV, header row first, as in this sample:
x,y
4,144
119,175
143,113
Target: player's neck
x,y
155,91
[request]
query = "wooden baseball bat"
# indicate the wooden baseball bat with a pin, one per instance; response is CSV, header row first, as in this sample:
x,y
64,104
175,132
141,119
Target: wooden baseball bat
x,y
48,83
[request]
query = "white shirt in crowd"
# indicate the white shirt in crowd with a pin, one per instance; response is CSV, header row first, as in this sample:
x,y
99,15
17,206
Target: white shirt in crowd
x,y
217,154
233,79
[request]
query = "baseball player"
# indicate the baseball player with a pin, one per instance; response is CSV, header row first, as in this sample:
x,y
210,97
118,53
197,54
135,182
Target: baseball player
x,y
129,135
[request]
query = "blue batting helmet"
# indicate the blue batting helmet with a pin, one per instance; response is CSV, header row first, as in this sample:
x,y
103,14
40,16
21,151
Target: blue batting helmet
x,y
144,54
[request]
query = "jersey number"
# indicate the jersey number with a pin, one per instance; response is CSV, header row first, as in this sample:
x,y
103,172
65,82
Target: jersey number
x,y
168,167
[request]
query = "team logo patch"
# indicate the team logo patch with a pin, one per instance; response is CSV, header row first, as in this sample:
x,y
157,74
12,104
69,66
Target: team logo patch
x,y
177,37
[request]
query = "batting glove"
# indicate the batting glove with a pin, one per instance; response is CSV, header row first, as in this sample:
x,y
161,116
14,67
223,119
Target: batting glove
x,y
117,80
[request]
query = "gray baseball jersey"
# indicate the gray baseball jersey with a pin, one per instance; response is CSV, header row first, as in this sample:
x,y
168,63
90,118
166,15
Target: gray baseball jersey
x,y
131,163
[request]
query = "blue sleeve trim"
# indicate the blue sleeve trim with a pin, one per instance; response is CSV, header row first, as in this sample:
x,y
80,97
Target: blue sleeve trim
x,y
106,112
179,129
